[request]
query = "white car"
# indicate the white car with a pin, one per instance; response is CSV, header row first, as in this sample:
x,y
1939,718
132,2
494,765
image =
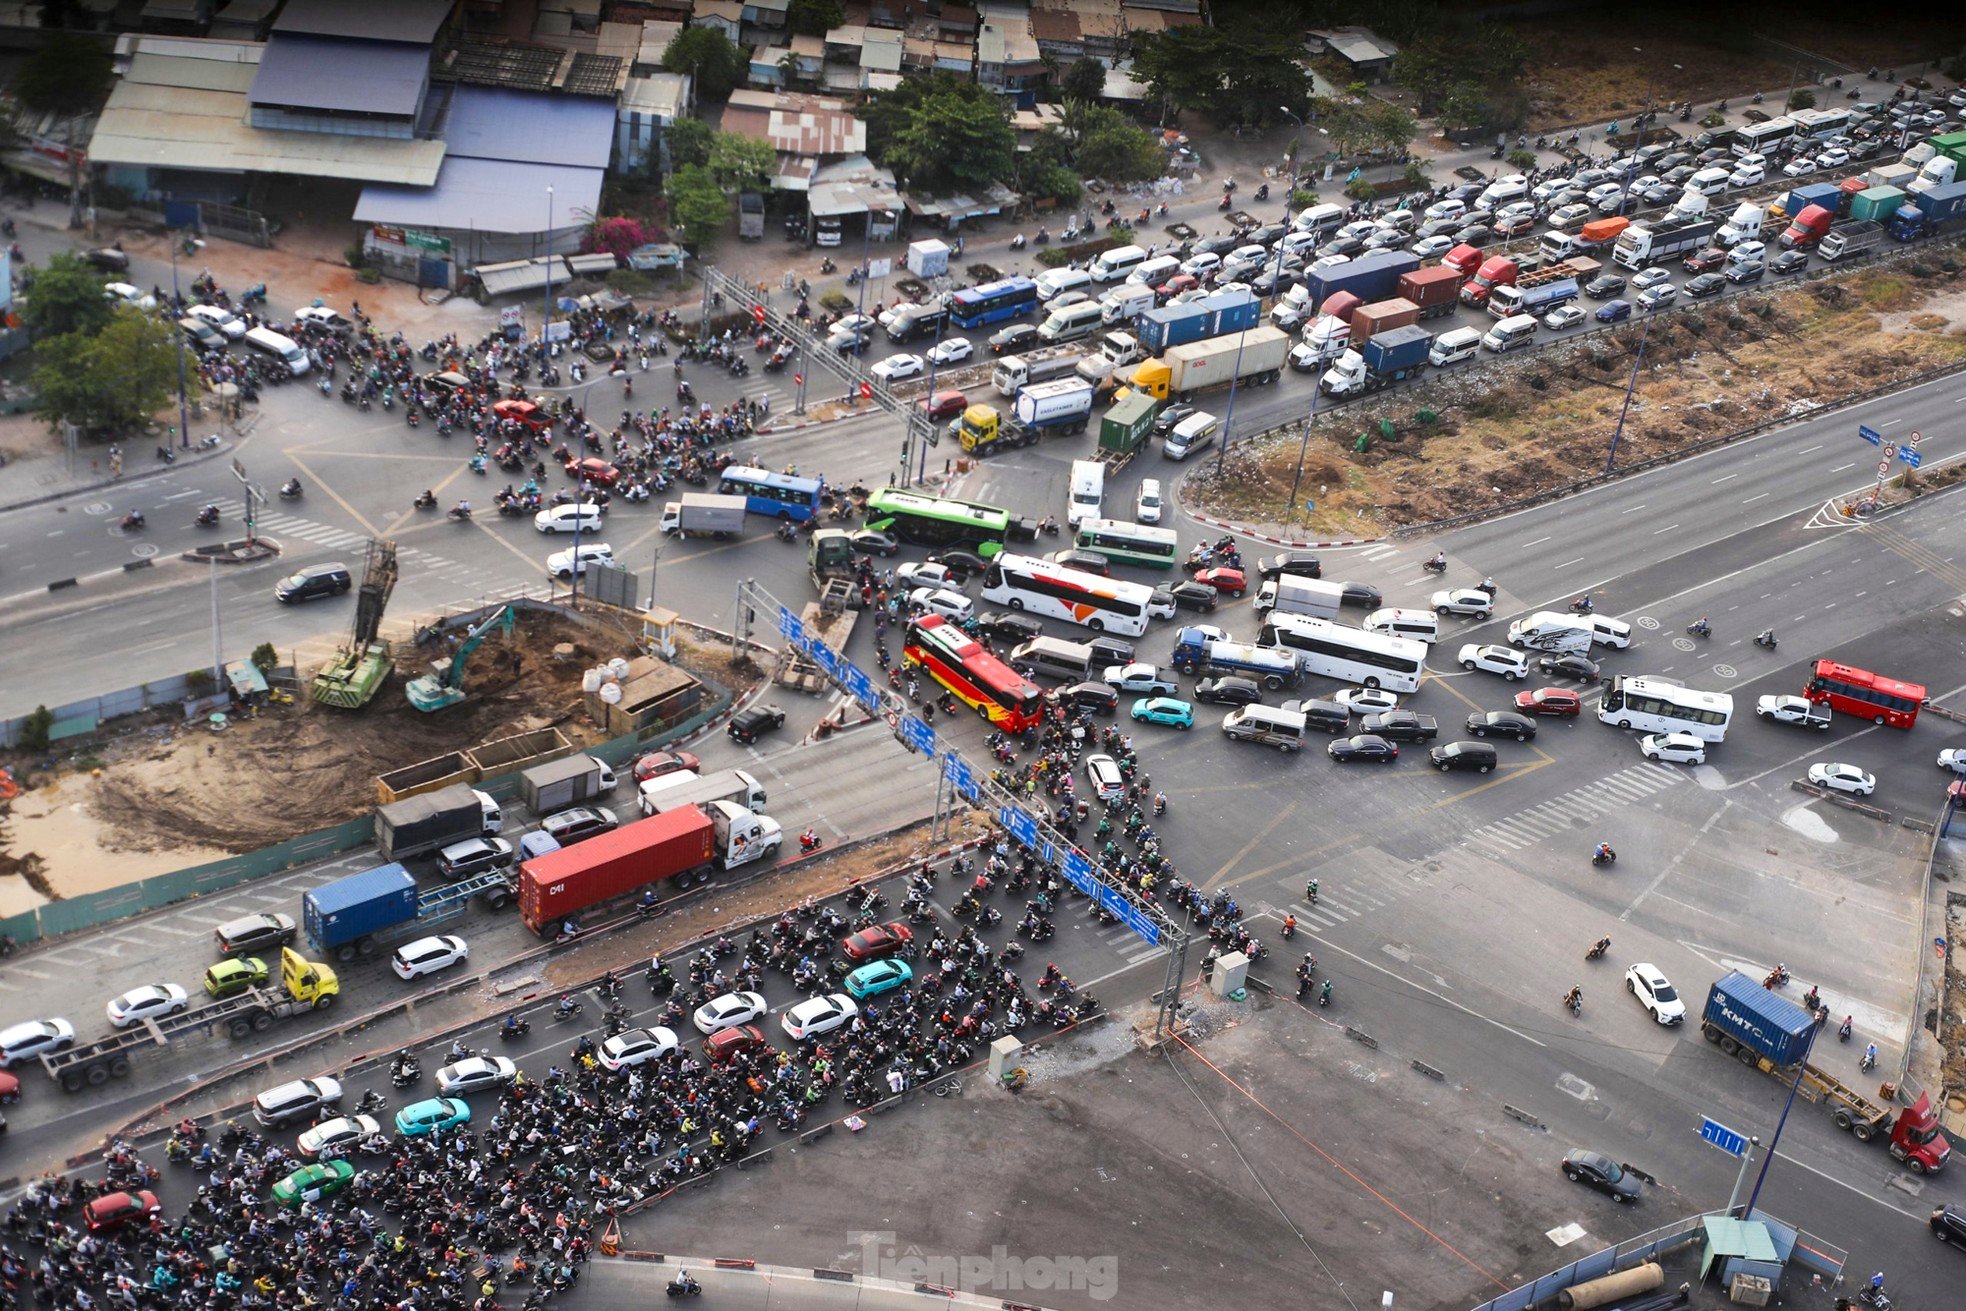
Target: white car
x,y
1323,262
224,320
1571,216
428,955
1469,601
1604,191
633,1046
925,573
1646,279
941,601
1200,266
817,1015
1147,506
146,1003
950,350
20,1042
1954,759
1564,316
1673,748
1746,250
1504,660
128,295
1747,175
564,564
582,518
1366,700
1645,982
340,1135
728,1011
1298,243
1103,772
1838,777
1428,247
1516,209
1141,679
1244,258
320,316
475,1072
1446,209
1801,166
896,367
1663,294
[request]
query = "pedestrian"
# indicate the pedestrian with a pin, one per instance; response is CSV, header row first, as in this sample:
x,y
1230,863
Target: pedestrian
x,y
518,664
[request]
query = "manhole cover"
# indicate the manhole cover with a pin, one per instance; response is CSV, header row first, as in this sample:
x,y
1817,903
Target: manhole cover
x,y
1683,643
143,551
1647,621
1724,671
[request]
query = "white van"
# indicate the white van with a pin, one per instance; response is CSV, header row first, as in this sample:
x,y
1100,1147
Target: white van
x,y
1113,265
1124,303
1282,729
1088,491
1071,323
1155,271
1052,282
1453,346
1501,191
1420,625
1191,434
1708,181
268,342
1516,330
1320,219
1053,657
1610,632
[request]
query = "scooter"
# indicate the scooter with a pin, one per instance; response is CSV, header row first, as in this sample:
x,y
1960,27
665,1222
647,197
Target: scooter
x,y
1699,629
133,522
1765,638
290,490
1598,949
511,1032
1581,607
683,1285
1604,858
208,517
1017,242
1575,1001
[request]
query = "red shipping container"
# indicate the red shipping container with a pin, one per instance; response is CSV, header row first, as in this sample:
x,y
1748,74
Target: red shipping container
x,y
563,882
1368,321
1339,305
1434,289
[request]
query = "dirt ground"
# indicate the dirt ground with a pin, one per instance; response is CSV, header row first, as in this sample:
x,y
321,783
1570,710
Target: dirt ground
x,y
1502,435
1952,1038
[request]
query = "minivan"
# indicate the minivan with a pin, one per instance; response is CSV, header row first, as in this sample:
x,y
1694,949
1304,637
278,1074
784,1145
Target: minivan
x,y
1052,657
1113,265
300,1099
1502,191
1071,323
1320,219
1054,281
313,581
472,857
1453,346
1516,330
1155,271
1610,632
285,349
1190,435
1420,625
1708,181
1478,756
1268,725
1125,302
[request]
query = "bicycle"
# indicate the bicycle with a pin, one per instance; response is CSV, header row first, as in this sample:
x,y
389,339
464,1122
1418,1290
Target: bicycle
x,y
948,1087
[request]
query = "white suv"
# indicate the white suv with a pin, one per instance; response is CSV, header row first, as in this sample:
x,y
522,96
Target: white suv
x,y
1673,748
563,564
1506,661
1469,601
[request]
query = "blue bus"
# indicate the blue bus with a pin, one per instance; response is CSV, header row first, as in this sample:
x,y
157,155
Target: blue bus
x,y
972,307
780,495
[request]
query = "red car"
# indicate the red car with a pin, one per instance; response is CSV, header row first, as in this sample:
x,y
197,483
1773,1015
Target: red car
x,y
594,470
943,405
524,412
114,1210
657,763
1175,285
1705,261
881,940
9,1088
726,1043
1550,701
1231,581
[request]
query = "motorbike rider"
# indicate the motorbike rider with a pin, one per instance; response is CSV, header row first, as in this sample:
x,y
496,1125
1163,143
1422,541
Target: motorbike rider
x,y
1289,925
1701,626
1439,561
291,487
1604,852
567,1005
1310,892
1766,637
134,519
1584,604
1574,998
1602,945
511,1024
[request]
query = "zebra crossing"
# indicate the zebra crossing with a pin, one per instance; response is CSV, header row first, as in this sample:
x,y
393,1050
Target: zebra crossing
x,y
1376,882
1560,815
278,525
1380,552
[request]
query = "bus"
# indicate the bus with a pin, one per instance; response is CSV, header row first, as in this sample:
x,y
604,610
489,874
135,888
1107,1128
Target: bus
x,y
1653,705
780,495
1859,692
973,676
1350,655
993,302
1821,124
1104,605
934,522
1128,543
1759,138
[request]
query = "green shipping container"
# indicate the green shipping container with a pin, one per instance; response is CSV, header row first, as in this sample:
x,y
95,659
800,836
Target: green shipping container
x,y
1952,145
1878,203
1127,423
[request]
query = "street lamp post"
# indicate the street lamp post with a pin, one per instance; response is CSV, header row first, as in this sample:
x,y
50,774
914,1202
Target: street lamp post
x,y
183,405
1611,459
546,310
1276,273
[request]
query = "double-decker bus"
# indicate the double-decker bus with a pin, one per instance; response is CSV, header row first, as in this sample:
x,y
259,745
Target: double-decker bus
x,y
1653,705
993,302
1102,604
780,495
1128,543
1851,691
1350,655
973,676
934,522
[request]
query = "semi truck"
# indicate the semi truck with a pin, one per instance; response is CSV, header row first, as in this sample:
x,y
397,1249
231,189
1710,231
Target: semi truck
x,y
431,821
1369,277
1808,228
1827,194
558,784
1558,634
1383,360
829,557
1524,272
703,514
742,836
1060,406
1922,215
1230,310
1294,594
1125,427
1876,204
304,986
1382,316
1851,239
1540,298
1013,373
359,915
1195,652
1434,290
1254,358
675,848
1649,243
1116,350
689,788
1765,1030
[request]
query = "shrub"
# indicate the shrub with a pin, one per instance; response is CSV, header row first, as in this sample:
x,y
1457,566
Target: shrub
x,y
836,300
198,682
265,658
34,731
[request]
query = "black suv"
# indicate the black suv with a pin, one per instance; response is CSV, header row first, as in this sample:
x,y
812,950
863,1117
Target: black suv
x,y
1949,1225
1478,756
753,722
1228,690
1301,563
1096,697
265,931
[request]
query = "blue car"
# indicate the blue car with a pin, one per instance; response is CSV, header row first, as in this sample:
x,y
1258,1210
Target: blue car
x,y
876,977
432,1115
1614,311
1165,710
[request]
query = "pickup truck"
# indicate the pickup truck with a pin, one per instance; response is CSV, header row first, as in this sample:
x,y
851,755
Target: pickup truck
x,y
1401,726
1793,710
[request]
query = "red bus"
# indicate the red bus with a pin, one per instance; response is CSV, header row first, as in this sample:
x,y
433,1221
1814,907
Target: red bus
x,y
1870,696
976,678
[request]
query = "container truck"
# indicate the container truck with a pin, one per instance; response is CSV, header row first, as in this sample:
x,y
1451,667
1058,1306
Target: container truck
x,y
704,514
1229,310
1765,1030
1938,171
1125,427
1060,406
1435,290
1921,215
558,784
1827,194
1875,204
742,836
1369,277
1293,594
1253,358
1116,350
1195,652
1809,228
360,914
304,986
430,821
1749,222
1379,362
1649,243
1463,259
1013,373
1382,316
1851,239
673,848
1539,299
1548,631
734,785
1891,175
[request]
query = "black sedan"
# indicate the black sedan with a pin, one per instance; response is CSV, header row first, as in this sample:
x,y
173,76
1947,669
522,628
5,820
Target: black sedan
x,y
1707,284
1581,668
1302,563
1364,747
868,541
1363,595
1194,596
1015,338
1502,723
1789,261
963,564
1604,286
1228,690
1596,1170
1009,629
1165,421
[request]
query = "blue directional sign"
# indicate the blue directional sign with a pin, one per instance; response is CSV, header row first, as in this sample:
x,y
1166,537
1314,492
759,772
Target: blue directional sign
x,y
960,776
1018,824
1131,916
1870,435
917,735
1910,457
1721,1136
1078,871
859,686
790,626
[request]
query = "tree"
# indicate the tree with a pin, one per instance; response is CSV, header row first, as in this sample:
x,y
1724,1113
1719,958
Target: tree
x,y
813,17
707,55
1238,74
698,207
689,142
66,298
740,163
1084,80
1099,141
941,134
1388,127
69,74
112,381
1802,98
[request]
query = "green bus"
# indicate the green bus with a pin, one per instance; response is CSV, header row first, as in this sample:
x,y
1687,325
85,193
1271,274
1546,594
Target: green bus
x,y
1128,543
941,524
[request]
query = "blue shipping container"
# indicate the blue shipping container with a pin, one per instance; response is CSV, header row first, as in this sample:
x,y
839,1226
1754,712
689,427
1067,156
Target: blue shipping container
x,y
1759,1019
1827,194
356,906
1369,277
1941,203
1231,310
1399,348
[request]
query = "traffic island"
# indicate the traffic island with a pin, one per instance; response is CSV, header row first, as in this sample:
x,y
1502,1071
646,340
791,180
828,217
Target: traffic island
x,y
248,550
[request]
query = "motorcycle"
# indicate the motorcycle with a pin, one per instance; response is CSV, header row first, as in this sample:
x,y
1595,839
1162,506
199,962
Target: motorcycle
x,y
133,521
1700,629
371,1102
1017,242
1598,949
208,517
1048,526
683,1285
1582,606
290,490
1224,203
826,266
460,514
510,1032
405,1072
1604,858
209,442
1263,192
786,533
809,842
1765,638
1574,999
1044,237
1437,565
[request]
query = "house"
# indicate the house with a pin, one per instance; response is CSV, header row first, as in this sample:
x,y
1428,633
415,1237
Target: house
x,y
649,106
1369,56
807,131
656,36
880,60
764,20
1057,33
765,70
727,16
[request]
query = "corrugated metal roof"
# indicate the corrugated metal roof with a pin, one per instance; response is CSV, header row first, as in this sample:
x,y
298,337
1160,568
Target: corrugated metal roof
x,y
529,127
598,262
486,195
413,21
193,74
519,275
796,124
314,72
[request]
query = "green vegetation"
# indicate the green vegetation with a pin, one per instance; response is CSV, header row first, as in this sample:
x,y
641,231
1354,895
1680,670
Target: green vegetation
x,y
813,17
65,297
1468,74
698,206
1084,80
34,729
1238,73
1097,142
707,55
941,134
110,379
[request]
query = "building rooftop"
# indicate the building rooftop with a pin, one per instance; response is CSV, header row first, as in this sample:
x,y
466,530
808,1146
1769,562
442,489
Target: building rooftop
x,y
416,22
489,123
341,75
796,124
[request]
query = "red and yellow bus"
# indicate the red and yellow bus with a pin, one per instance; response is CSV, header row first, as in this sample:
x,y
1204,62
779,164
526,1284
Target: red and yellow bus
x,y
975,677
1858,692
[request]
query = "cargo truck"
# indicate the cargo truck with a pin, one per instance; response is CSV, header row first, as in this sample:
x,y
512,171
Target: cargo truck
x,y
750,216
1382,316
1770,1033
1827,194
1808,228
1013,373
1649,243
830,556
742,836
1060,406
1939,171
1230,310
1116,350
304,986
1511,271
1254,358
1195,652
1382,361
1539,299
704,514
558,784
1369,277
1294,594
1555,633
1875,204
1924,214
1125,427
675,848
1749,222
1850,239
363,913
1434,290
688,788
419,825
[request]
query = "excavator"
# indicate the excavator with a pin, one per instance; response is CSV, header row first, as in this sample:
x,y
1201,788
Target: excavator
x,y
358,671
443,686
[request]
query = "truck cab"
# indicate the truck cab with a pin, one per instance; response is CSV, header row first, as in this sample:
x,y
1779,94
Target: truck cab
x,y
308,981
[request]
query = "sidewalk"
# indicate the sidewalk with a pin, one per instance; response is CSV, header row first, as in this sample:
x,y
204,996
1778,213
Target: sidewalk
x,y
44,475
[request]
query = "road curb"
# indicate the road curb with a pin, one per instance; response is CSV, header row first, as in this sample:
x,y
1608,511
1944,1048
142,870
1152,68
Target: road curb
x,y
183,460
1242,531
